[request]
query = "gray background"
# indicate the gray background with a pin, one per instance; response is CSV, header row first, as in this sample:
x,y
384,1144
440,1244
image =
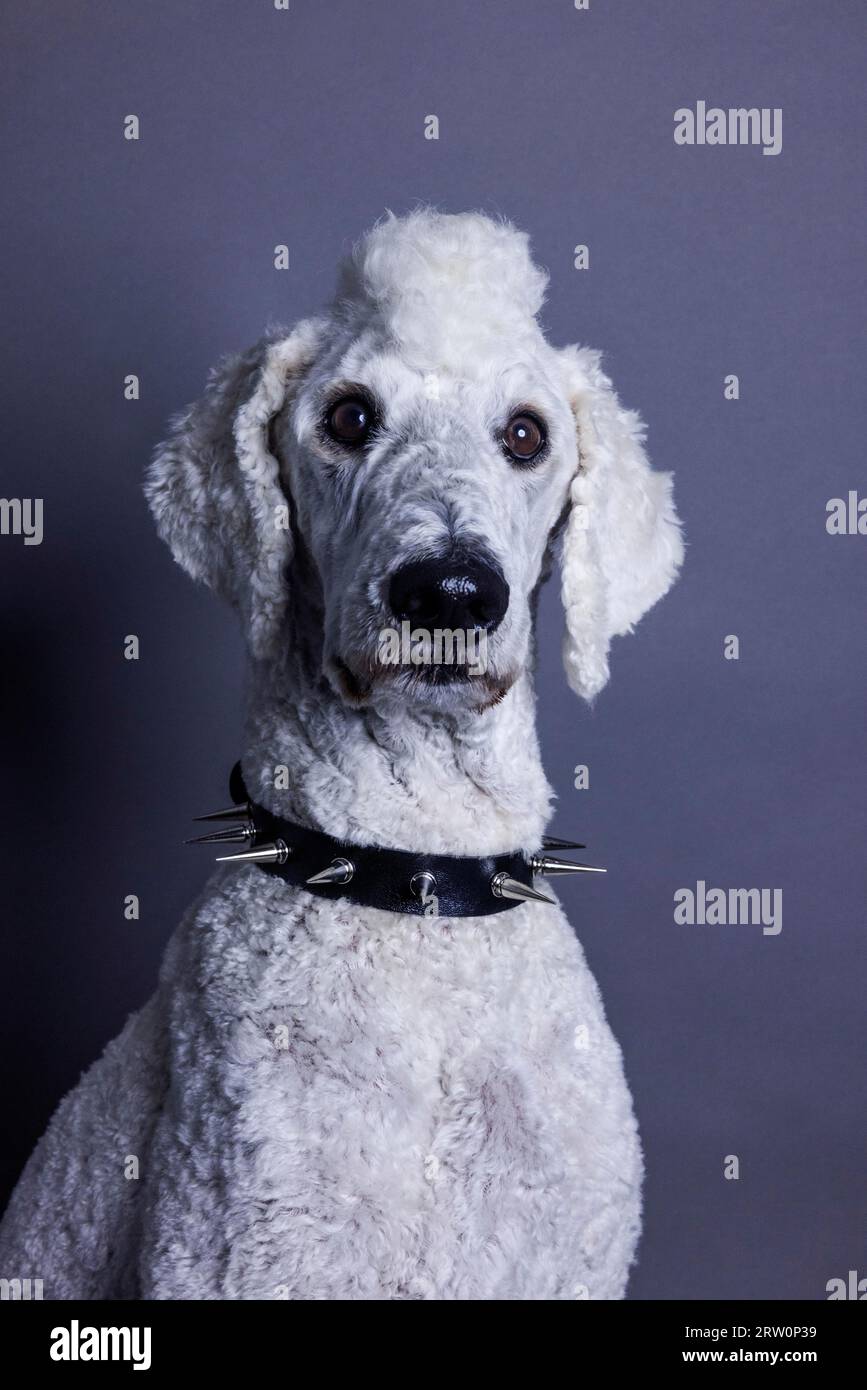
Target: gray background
x,y
260,127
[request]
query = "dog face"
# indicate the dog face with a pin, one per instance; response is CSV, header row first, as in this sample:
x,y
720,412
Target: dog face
x,y
426,492
393,475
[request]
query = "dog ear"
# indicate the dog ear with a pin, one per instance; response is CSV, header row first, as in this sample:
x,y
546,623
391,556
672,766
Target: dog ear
x,y
214,486
621,545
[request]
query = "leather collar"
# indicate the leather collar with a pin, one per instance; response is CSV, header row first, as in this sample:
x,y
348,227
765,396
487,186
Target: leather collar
x,y
392,880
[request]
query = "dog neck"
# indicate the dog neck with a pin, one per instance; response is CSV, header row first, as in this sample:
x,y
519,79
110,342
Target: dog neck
x,y
407,780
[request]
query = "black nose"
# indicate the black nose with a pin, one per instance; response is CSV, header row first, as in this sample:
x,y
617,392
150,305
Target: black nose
x,y
457,591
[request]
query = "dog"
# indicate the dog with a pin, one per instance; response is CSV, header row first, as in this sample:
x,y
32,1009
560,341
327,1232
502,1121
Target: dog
x,y
328,1097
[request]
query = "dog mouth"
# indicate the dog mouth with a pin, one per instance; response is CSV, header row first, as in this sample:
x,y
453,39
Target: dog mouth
x,y
355,686
430,674
360,680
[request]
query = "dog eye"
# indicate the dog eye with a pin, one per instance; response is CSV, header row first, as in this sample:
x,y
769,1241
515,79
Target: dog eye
x,y
350,420
524,437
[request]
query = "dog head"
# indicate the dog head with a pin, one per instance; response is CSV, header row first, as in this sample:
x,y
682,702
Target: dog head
x,y
390,478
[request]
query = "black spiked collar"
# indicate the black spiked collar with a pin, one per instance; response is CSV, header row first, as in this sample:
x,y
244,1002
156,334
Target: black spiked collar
x,y
392,880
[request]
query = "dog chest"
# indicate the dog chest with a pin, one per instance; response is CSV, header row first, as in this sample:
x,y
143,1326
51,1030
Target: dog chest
x,y
394,1113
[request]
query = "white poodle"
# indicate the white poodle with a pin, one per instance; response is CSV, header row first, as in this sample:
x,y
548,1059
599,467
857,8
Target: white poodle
x,y
326,1099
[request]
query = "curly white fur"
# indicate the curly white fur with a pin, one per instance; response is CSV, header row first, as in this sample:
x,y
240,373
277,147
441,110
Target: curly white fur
x,y
326,1101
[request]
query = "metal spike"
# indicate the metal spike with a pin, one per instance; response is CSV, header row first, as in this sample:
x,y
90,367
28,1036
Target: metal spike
x,y
228,813
338,871
553,842
277,853
544,864
502,886
233,835
423,884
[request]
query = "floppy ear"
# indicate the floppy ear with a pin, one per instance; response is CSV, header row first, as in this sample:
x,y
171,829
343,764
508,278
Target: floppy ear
x,y
621,546
214,486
